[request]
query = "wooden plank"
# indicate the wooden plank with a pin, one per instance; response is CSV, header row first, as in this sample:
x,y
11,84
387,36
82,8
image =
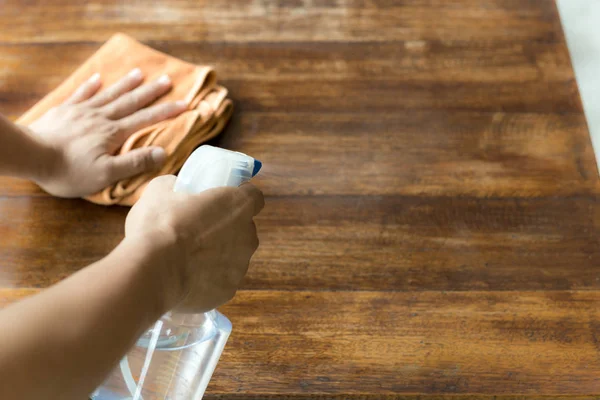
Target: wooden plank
x,y
410,153
389,96
283,21
440,61
43,240
398,244
329,396
533,77
381,97
389,243
411,343
418,153
354,344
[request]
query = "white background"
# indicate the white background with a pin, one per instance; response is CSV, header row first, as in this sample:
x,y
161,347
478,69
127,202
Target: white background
x,y
581,23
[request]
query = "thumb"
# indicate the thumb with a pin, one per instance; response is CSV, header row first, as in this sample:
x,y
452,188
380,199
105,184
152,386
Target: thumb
x,y
135,162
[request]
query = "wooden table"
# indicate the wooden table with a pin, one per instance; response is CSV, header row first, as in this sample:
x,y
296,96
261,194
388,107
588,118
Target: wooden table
x,y
432,223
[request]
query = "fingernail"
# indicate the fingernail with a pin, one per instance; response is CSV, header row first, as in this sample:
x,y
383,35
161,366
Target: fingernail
x,y
94,78
135,73
164,80
181,104
158,156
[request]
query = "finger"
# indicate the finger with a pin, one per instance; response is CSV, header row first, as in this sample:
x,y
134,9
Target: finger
x,y
149,116
135,100
253,197
86,90
135,162
132,80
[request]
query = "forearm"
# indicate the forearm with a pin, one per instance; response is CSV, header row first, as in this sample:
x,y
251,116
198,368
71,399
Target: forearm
x,y
64,341
20,154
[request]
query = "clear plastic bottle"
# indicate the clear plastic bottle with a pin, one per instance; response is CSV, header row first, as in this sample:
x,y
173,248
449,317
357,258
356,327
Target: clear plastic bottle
x,y
177,357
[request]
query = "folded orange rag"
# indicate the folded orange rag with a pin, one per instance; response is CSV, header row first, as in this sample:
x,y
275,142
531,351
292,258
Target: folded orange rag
x,y
209,109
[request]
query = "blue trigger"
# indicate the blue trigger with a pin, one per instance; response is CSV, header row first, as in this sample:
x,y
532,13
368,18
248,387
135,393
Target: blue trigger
x,y
257,167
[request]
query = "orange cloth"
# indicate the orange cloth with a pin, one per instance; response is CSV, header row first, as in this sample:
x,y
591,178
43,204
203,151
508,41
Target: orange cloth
x,y
209,108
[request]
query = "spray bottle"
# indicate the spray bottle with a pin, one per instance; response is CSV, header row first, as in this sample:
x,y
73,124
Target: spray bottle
x,y
175,359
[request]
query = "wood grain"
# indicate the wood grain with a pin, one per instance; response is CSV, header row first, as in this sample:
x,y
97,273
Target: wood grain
x,y
330,396
432,215
308,77
401,343
411,154
389,243
445,61
435,343
283,21
45,240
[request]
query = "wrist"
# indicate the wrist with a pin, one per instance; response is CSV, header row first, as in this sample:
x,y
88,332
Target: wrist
x,y
43,160
156,264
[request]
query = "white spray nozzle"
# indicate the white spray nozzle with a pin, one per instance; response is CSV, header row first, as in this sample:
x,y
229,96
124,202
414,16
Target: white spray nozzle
x,y
209,167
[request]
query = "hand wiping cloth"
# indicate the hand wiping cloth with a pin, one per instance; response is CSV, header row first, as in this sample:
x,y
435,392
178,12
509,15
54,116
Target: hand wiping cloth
x,y
209,109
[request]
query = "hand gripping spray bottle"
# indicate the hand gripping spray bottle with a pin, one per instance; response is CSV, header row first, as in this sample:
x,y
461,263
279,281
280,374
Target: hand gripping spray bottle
x,y
175,359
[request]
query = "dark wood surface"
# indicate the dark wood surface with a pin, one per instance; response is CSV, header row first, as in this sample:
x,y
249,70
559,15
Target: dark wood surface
x,y
432,220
